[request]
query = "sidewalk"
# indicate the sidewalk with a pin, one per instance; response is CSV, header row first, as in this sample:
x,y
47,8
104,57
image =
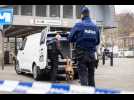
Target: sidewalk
x,y
120,76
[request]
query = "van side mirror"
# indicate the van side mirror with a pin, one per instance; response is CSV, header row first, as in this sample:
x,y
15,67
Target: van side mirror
x,y
20,46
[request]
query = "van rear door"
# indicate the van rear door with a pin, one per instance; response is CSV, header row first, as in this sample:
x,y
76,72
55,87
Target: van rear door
x,y
43,50
20,55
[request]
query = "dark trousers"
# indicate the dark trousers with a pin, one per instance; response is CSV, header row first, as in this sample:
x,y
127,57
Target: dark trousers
x,y
103,58
111,58
53,56
110,55
54,64
86,69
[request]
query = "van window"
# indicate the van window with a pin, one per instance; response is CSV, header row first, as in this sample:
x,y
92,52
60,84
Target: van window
x,y
42,40
23,44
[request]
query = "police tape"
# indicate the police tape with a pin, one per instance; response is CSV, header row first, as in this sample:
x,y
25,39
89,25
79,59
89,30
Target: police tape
x,y
48,88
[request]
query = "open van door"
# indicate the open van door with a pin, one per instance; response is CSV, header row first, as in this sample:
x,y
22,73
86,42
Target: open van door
x,y
20,55
43,50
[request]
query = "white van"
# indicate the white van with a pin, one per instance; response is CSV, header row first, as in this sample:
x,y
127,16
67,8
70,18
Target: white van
x,y
32,56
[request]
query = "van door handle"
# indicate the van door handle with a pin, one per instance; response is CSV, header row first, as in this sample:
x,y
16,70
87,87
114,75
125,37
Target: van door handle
x,y
41,49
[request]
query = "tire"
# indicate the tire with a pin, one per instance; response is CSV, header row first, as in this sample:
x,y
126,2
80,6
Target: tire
x,y
36,72
17,68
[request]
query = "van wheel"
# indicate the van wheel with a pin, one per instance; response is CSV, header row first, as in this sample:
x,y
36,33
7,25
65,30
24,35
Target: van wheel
x,y
36,72
17,68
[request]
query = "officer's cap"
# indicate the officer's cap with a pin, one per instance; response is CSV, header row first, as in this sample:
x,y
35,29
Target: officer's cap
x,y
84,10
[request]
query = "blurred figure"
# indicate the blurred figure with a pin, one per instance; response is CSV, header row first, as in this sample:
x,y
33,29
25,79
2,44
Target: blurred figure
x,y
58,37
53,55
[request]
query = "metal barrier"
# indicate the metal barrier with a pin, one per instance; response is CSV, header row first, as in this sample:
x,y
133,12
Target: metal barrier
x,y
48,88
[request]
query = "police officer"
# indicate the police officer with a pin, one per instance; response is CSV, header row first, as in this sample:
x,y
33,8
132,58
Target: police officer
x,y
53,55
85,35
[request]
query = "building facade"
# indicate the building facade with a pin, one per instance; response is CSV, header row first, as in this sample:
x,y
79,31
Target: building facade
x,y
29,19
126,41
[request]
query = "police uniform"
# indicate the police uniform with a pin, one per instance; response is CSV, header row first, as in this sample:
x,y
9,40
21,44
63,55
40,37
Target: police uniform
x,y
53,52
85,34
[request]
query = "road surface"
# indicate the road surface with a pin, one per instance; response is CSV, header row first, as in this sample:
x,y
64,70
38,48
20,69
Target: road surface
x,y
119,77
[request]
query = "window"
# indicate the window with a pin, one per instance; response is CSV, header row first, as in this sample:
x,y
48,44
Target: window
x,y
78,11
26,10
41,10
67,11
23,44
15,9
54,10
43,35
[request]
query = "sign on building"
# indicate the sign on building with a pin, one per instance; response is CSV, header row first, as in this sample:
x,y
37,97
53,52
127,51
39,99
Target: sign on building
x,y
6,16
46,21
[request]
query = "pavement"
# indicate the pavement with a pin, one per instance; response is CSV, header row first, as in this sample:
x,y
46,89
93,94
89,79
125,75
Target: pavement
x,y
119,77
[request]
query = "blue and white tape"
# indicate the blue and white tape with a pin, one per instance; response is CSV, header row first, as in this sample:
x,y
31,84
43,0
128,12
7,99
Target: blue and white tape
x,y
48,88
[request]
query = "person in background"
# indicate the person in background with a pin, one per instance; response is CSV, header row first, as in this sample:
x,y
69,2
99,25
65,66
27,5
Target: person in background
x,y
53,55
58,37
